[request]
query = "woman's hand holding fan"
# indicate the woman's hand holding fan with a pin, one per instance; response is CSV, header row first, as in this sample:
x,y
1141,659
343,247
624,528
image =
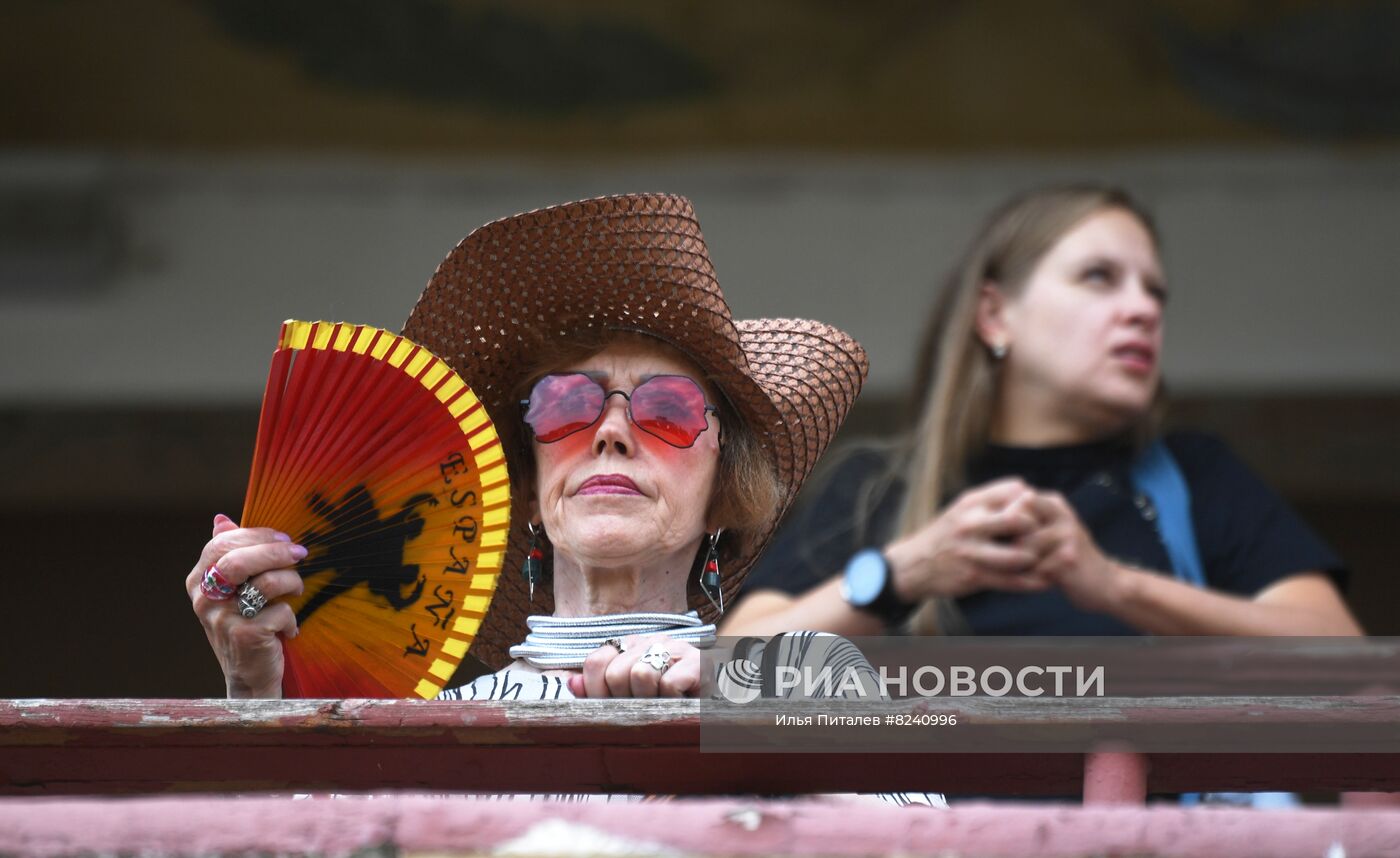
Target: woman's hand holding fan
x,y
249,650
375,524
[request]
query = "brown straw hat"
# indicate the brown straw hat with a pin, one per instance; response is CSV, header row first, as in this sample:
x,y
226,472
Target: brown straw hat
x,y
635,262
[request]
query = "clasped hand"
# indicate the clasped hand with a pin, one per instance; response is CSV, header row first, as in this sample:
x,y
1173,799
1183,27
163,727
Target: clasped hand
x,y
631,672
1007,536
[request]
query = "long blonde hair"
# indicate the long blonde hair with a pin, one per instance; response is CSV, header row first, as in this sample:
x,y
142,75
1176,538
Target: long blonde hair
x,y
956,380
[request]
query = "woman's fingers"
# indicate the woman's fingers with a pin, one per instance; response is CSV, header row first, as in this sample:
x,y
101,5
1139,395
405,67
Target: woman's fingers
x,y
243,564
1010,522
1042,542
1049,507
683,677
249,637
655,655
595,665
664,667
1059,524
240,537
278,619
249,649
227,539
608,673
618,675
226,623
630,674
993,556
240,564
644,680
277,583
993,495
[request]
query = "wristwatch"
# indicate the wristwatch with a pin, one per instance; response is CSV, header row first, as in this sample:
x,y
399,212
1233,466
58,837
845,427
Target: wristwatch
x,y
868,585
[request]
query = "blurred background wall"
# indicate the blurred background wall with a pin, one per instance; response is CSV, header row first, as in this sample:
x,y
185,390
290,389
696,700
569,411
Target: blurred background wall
x,y
179,176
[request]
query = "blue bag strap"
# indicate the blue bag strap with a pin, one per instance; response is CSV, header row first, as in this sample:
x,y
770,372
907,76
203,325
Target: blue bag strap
x,y
1156,474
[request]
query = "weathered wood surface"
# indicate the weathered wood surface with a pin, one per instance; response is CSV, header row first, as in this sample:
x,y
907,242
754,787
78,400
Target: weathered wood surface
x,y
53,747
393,826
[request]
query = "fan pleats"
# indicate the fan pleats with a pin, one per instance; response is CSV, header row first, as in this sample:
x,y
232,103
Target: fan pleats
x,y
379,459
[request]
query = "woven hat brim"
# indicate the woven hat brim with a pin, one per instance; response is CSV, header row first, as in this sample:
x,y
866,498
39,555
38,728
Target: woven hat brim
x,y
626,263
812,373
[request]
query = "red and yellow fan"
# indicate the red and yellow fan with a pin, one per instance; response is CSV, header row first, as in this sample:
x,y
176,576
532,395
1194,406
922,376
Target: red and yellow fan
x,y
378,458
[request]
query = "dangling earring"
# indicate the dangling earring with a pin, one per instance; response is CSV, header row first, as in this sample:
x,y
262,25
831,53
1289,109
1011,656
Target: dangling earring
x,y
532,570
709,574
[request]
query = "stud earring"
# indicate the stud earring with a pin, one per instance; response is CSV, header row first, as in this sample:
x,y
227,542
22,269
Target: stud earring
x,y
999,351
709,573
532,570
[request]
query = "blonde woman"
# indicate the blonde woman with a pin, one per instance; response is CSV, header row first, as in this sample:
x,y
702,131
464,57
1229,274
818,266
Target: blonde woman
x,y
1035,496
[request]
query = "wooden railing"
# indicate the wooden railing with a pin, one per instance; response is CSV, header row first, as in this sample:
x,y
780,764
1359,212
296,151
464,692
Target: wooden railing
x,y
62,763
68,747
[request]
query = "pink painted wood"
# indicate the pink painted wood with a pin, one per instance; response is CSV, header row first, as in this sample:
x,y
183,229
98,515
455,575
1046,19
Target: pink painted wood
x,y
1115,777
409,825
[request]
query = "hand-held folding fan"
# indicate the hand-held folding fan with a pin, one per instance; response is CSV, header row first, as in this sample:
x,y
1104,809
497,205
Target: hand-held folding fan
x,y
378,458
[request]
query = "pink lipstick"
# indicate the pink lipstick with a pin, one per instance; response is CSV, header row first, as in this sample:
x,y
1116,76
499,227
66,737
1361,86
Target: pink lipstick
x,y
608,484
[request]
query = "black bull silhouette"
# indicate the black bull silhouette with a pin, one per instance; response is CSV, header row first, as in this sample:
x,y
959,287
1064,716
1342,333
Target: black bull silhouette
x,y
362,547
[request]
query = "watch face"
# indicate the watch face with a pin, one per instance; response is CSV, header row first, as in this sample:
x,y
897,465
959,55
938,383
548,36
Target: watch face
x,y
865,577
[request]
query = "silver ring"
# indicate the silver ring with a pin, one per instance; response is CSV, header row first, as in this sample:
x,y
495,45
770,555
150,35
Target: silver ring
x,y
616,643
657,658
250,600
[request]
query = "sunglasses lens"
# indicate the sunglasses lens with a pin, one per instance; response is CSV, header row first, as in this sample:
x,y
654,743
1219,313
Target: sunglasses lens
x,y
561,405
671,407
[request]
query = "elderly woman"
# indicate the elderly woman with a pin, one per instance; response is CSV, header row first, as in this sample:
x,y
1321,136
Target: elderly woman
x,y
655,443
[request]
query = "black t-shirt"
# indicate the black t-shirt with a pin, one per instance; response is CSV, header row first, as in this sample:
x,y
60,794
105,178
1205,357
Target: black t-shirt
x,y
1247,536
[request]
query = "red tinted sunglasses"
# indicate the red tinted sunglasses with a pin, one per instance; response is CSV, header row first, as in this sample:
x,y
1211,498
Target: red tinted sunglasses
x,y
669,407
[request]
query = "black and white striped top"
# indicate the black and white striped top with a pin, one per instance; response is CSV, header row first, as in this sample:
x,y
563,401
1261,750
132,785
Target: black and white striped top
x,y
511,684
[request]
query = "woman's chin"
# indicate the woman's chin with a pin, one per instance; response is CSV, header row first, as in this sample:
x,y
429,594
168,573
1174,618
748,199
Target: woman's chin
x,y
613,540
1120,410
623,544
619,530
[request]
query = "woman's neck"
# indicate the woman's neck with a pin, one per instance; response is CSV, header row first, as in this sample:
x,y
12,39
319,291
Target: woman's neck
x,y
590,590
1021,423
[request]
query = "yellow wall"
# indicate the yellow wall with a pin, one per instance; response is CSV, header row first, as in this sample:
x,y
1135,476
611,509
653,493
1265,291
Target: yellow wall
x,y
923,76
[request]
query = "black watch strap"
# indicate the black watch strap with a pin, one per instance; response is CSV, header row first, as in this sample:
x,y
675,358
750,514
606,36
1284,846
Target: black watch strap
x,y
888,606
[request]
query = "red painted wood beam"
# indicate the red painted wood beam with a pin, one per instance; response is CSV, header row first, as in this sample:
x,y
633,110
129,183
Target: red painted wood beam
x,y
135,746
